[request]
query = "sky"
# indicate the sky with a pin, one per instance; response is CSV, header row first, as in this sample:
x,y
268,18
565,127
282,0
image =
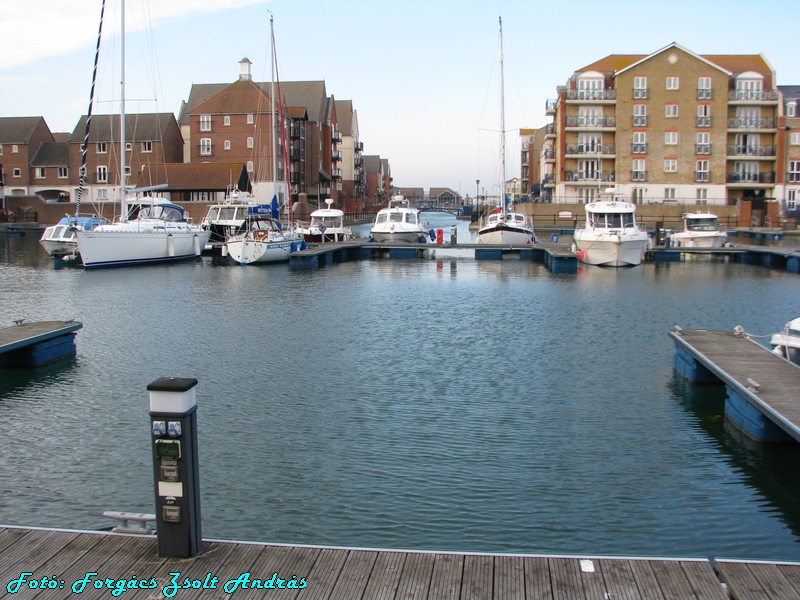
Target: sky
x,y
423,75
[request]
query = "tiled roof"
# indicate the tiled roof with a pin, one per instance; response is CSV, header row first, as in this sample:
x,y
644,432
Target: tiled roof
x,y
138,127
344,116
191,176
241,97
51,154
17,130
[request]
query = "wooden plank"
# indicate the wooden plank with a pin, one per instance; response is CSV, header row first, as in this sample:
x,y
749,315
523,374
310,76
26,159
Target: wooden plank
x,y
773,582
68,556
646,581
448,571
415,581
742,584
671,579
289,563
324,574
509,577
591,579
566,579
619,580
703,580
385,576
537,577
792,575
32,550
354,576
478,577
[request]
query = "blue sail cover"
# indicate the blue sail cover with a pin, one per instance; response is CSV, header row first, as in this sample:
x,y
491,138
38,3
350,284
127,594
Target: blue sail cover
x,y
260,209
276,213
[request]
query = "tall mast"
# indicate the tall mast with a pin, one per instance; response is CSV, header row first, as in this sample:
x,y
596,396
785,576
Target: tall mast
x,y
124,207
274,110
502,128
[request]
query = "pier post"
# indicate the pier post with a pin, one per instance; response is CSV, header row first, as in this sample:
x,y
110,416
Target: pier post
x,y
176,469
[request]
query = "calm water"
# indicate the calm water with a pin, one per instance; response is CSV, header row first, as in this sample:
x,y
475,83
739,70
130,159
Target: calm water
x,y
435,404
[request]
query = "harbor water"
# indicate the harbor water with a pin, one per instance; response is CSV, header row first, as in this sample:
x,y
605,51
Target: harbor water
x,y
434,404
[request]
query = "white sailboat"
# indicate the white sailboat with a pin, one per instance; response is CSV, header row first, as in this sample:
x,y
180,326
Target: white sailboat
x,y
160,232
262,238
505,226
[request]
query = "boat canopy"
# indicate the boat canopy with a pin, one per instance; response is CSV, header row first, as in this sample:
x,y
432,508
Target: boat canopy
x,y
168,212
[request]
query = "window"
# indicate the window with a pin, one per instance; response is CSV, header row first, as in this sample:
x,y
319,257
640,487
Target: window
x,y
147,147
128,147
102,174
638,172
102,194
639,143
704,88
63,172
205,122
250,119
794,138
703,115
39,173
791,109
791,200
670,138
249,142
794,171
703,145
640,87
672,83
249,166
671,165
226,121
637,195
701,171
669,193
702,196
1,149
16,173
101,148
227,144
671,111
205,146
640,115
14,149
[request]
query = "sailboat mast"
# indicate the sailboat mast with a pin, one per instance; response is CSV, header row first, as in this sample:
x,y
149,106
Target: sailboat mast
x,y
124,207
502,127
274,110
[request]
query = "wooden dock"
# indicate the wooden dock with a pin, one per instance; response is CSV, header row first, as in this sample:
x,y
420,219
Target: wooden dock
x,y
66,557
765,380
37,343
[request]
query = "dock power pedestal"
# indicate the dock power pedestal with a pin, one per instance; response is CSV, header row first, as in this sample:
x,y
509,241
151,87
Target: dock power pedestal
x,y
176,469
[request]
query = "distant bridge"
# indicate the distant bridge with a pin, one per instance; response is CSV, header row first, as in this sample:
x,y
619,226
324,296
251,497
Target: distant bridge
x,y
456,210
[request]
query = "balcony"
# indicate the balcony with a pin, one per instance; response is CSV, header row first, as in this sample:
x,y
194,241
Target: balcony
x,y
591,149
766,177
550,107
640,121
336,137
297,155
336,156
748,96
702,176
550,130
702,148
641,93
336,174
638,175
752,123
549,154
752,150
704,94
638,148
591,122
592,95
297,133
592,177
703,122
549,180
297,178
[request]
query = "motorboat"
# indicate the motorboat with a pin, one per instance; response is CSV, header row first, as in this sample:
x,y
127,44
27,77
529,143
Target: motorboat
x,y
226,219
610,236
59,239
399,222
326,225
263,239
160,232
787,342
505,226
700,230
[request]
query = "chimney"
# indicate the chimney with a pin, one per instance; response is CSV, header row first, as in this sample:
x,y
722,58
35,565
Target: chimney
x,y
244,69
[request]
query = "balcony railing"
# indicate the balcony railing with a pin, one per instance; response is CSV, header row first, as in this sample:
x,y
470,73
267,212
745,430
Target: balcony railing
x,y
336,156
638,148
640,121
751,123
550,128
702,176
550,105
297,177
336,174
592,94
753,95
638,175
751,150
640,93
590,176
297,133
702,148
703,122
549,178
704,94
745,177
549,154
591,149
591,122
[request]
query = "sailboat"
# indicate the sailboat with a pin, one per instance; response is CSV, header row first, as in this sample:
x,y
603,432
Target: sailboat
x,y
504,226
160,231
262,238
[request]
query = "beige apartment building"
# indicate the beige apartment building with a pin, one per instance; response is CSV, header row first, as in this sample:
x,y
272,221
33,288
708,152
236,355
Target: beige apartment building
x,y
669,127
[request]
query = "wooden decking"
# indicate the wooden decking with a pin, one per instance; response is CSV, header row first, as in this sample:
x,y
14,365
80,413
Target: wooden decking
x,y
351,574
738,362
25,334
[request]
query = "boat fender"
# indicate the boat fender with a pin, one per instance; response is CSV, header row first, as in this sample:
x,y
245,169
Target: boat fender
x,y
580,254
432,234
303,245
738,330
422,239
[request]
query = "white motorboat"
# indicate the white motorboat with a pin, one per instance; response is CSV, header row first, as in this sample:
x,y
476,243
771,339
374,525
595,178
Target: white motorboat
x,y
399,222
326,225
610,236
263,239
700,230
159,233
787,342
59,239
504,226
226,219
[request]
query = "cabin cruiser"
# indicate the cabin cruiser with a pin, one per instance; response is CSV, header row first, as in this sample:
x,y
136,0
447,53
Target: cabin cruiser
x,y
610,236
225,219
399,222
60,240
700,230
787,342
506,228
326,225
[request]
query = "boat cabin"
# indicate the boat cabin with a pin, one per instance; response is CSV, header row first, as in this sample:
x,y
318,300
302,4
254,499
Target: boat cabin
x,y
701,222
166,212
611,220
327,221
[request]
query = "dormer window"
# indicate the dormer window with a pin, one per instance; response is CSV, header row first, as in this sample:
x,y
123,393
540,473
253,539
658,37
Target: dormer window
x,y
791,111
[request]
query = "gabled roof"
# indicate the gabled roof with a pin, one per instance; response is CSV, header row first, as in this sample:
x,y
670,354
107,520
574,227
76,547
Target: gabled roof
x,y
673,46
192,176
51,154
344,116
240,97
18,130
138,127
436,192
790,92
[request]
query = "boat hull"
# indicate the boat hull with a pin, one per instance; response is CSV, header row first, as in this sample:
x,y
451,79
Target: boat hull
x,y
611,250
120,247
506,236
403,237
251,252
698,240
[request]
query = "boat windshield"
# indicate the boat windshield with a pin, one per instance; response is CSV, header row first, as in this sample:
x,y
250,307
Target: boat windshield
x,y
227,213
411,218
329,222
395,217
167,212
701,224
613,220
381,218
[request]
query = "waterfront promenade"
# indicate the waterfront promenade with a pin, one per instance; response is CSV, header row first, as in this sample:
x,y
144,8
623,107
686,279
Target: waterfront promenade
x,y
50,563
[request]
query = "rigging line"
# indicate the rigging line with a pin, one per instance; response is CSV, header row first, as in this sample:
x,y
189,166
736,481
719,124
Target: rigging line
x,y
84,149
282,124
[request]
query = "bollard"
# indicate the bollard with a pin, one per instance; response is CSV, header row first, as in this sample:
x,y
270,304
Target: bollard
x,y
176,469
440,236
453,235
